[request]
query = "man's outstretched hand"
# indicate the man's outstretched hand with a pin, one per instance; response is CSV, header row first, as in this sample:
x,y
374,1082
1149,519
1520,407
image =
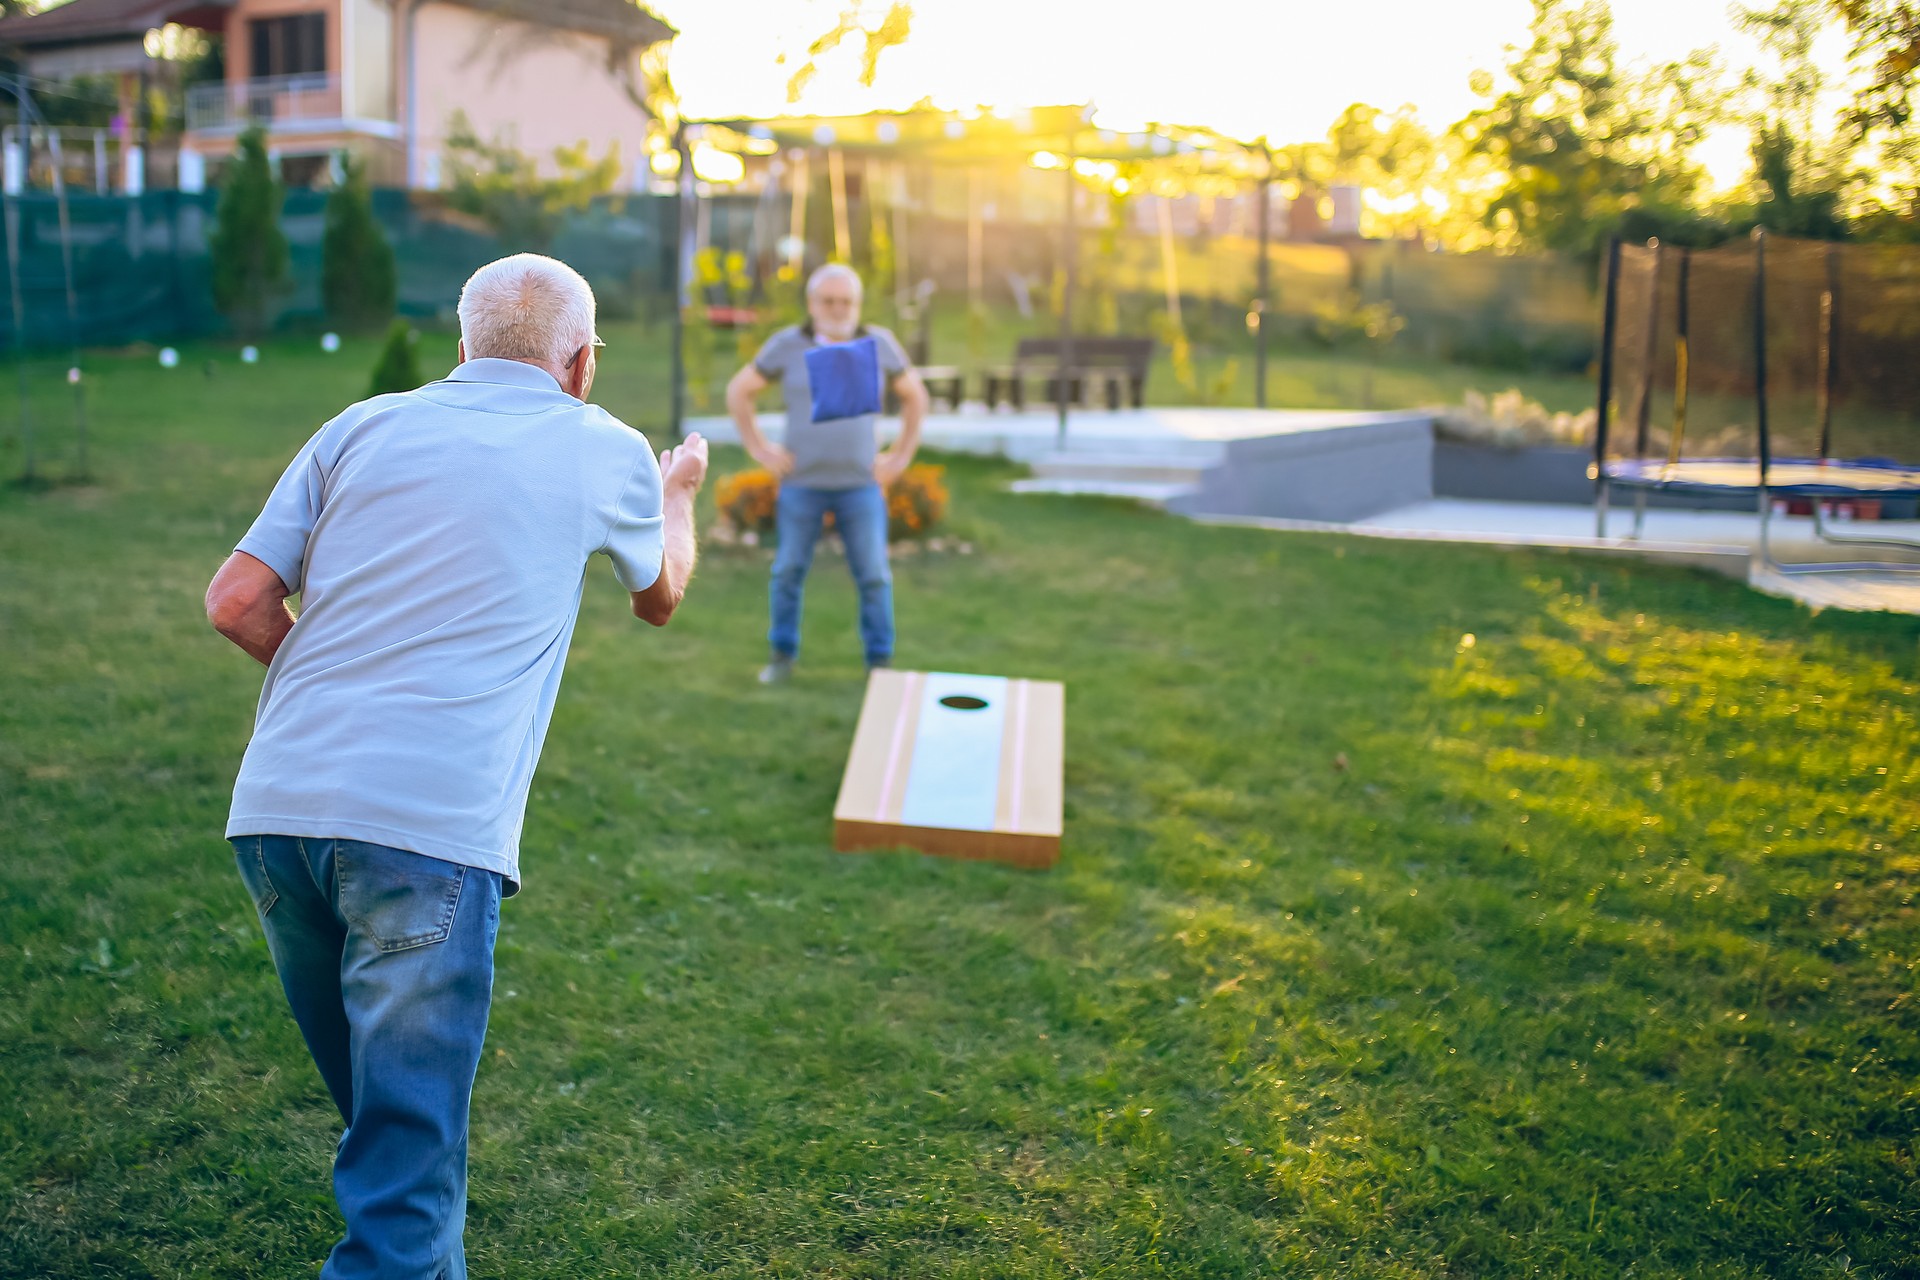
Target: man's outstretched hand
x,y
684,468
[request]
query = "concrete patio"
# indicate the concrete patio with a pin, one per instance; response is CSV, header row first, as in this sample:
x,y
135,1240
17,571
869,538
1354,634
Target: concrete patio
x,y
1371,475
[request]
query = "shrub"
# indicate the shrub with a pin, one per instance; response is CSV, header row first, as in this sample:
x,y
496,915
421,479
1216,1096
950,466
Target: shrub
x,y
247,248
356,263
398,368
915,503
1509,420
1350,321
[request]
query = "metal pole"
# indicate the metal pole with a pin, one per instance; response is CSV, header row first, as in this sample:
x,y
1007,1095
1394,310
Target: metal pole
x,y
901,286
1608,317
683,228
797,221
837,197
1682,358
1829,321
1071,247
23,139
1260,303
73,303
1643,411
1763,434
976,252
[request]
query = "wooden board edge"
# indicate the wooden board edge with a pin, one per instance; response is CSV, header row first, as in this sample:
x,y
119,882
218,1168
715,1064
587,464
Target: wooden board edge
x,y
1036,852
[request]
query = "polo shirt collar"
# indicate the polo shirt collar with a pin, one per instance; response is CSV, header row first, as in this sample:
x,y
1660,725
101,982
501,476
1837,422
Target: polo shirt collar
x,y
512,373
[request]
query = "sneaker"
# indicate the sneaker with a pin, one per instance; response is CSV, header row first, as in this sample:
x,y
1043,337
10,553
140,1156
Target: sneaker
x,y
778,670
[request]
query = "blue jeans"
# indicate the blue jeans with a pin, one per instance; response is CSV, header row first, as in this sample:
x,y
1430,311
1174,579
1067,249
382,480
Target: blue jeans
x,y
860,515
387,959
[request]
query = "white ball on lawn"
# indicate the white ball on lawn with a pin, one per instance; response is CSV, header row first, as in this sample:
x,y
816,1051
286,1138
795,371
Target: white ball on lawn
x,y
249,355
169,357
73,375
329,342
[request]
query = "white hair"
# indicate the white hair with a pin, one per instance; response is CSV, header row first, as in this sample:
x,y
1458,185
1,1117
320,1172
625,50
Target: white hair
x,y
834,271
526,307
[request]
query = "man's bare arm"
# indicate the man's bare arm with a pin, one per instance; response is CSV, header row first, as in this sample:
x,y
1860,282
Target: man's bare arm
x,y
893,463
247,603
742,388
682,470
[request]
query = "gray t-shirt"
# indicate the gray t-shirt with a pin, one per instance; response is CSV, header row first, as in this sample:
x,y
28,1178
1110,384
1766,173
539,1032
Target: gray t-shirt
x,y
826,455
438,541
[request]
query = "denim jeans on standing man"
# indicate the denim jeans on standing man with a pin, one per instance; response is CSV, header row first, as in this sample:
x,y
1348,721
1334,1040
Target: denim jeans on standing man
x,y
387,959
860,516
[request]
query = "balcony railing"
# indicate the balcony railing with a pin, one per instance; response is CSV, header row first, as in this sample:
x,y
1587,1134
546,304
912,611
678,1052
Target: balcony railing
x,y
265,100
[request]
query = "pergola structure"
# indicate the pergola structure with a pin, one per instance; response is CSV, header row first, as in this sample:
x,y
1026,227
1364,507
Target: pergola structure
x,y
1165,160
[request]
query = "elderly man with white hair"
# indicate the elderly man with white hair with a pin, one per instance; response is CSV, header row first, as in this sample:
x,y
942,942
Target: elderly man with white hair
x,y
831,370
437,540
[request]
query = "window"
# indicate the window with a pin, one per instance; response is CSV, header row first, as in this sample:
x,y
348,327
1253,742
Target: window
x,y
303,173
292,46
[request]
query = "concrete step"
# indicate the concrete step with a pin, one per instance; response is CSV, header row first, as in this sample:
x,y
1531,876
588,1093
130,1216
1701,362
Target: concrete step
x,y
1154,492
1142,467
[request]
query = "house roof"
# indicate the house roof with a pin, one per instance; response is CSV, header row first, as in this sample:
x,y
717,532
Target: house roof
x,y
622,21
87,21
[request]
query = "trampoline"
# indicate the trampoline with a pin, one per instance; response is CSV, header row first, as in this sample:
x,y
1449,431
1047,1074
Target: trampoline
x,y
1752,345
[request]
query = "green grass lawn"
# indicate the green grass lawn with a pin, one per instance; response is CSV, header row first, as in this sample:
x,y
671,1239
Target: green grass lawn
x,y
1424,911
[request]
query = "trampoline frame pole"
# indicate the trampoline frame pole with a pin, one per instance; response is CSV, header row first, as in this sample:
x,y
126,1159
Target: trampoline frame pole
x,y
1682,357
1609,318
1643,411
1829,305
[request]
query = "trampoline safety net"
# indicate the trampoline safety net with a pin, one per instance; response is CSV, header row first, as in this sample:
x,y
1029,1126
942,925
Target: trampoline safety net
x,y
1799,353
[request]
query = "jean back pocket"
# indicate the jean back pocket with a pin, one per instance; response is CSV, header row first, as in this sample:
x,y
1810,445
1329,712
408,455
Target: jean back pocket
x,y
402,899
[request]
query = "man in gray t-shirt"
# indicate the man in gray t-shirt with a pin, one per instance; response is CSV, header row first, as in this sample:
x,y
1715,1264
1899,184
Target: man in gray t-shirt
x,y
832,370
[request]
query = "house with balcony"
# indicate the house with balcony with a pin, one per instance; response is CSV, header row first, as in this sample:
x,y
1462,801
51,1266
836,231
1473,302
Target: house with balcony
x,y
381,80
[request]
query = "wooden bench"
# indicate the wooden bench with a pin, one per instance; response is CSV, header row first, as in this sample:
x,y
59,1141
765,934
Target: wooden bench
x,y
942,381
1117,366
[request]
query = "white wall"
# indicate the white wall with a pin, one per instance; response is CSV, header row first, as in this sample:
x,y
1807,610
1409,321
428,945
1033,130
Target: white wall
x,y
529,86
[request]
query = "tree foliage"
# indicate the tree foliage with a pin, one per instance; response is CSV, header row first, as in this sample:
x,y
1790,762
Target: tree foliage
x,y
508,190
398,368
878,33
357,276
1886,37
1579,140
1799,177
247,247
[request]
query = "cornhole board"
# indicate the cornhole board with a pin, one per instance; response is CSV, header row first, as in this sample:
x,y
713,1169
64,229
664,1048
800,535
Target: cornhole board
x,y
958,765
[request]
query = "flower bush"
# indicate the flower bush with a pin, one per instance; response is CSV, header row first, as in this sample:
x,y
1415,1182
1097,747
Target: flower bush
x,y
916,502
747,500
1509,420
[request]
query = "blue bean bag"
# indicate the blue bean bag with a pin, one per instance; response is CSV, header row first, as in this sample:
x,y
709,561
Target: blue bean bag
x,y
845,378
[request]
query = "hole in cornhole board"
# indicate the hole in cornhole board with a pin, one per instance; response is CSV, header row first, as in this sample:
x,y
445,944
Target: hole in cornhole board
x,y
964,702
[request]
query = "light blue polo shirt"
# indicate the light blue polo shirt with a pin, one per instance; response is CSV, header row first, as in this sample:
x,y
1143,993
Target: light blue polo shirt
x,y
438,540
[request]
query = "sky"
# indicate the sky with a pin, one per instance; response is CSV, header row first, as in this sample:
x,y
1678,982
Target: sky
x,y
1282,68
